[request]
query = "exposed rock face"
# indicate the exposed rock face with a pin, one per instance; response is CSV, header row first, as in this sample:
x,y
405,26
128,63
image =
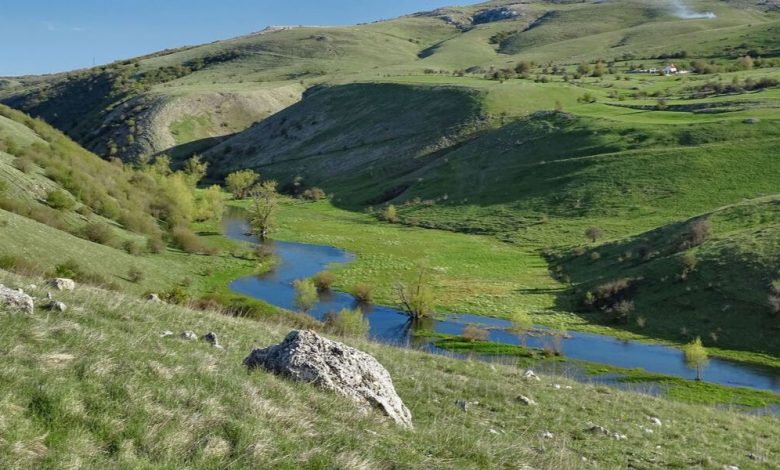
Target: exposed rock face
x,y
154,298
16,299
212,339
62,284
494,14
307,357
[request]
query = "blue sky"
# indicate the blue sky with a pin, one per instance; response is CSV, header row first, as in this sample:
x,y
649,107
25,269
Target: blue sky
x,y
45,36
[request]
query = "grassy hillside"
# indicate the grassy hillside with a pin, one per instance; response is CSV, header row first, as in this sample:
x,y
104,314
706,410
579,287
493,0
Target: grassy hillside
x,y
97,386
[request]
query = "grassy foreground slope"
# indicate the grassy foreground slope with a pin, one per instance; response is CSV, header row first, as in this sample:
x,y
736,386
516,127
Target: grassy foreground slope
x,y
97,386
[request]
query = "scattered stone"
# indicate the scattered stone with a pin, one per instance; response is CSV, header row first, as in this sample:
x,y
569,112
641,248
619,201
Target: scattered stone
x,y
154,298
525,400
568,387
730,467
307,357
55,306
647,431
211,338
529,375
62,283
166,334
546,435
463,405
49,296
557,386
598,430
618,437
189,336
32,287
16,299
655,421
493,431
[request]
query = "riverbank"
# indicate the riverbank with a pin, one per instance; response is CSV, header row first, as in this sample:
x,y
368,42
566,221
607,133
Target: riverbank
x,y
471,273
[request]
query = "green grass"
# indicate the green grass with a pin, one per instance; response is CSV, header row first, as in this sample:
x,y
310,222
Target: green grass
x,y
97,387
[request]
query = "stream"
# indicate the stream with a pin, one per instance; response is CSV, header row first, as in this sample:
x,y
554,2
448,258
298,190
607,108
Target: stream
x,y
390,325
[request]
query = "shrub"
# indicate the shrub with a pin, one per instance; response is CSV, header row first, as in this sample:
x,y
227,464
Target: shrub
x,y
364,293
474,333
263,252
58,199
390,214
69,269
19,265
324,280
774,297
348,323
187,241
132,248
608,296
23,164
314,194
155,245
240,182
593,233
135,275
622,310
177,295
698,233
305,294
98,232
417,297
688,262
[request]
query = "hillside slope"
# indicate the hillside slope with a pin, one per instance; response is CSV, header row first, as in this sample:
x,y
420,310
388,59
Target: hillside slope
x,y
97,386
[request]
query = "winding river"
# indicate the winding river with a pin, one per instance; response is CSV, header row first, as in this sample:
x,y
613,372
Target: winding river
x,y
389,325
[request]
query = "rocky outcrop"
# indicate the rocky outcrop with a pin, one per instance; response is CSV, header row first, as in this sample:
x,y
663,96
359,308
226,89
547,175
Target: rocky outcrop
x,y
307,357
16,299
62,284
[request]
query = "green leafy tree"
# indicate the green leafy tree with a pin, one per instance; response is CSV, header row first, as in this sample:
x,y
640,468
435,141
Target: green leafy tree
x,y
265,201
390,214
59,199
696,356
211,204
195,170
241,182
348,323
305,295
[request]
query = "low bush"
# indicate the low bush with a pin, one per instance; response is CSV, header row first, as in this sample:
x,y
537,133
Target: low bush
x,y
177,295
23,164
98,232
60,200
135,275
474,333
364,293
155,245
324,280
347,323
187,241
132,248
314,194
20,265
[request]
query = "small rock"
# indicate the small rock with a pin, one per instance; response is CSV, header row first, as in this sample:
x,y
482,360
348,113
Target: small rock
x,y
55,306
618,437
60,283
189,336
525,400
568,387
463,405
730,467
154,298
647,431
49,296
16,300
493,431
546,435
655,421
166,334
211,338
598,430
529,375
32,287
557,386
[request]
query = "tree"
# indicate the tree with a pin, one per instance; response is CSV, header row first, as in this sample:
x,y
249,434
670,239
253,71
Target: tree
x,y
696,356
211,205
593,233
417,297
348,323
195,170
240,182
305,294
583,69
265,201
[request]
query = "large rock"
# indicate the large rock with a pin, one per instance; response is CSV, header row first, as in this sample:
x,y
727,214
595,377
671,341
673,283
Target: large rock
x,y
62,284
307,357
16,299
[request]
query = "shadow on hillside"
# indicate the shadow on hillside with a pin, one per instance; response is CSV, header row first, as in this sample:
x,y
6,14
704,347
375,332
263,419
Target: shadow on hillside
x,y
180,153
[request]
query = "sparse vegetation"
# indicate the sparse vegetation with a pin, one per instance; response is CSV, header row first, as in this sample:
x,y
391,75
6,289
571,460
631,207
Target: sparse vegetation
x,y
696,356
306,295
347,322
324,281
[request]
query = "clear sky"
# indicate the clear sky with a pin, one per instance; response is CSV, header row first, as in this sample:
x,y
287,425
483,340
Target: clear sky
x,y
45,36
